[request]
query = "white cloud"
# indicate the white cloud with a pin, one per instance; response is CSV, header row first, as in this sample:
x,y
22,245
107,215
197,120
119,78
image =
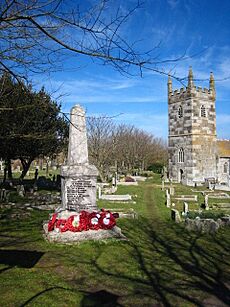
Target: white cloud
x,y
223,119
173,3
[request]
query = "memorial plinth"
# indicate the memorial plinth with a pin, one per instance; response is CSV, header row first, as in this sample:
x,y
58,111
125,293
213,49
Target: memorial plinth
x,y
79,187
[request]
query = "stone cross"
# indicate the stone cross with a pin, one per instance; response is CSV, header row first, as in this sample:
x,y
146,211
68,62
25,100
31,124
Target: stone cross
x,y
78,178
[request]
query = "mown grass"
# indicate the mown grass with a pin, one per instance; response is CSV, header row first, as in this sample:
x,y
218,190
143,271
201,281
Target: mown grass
x,y
159,263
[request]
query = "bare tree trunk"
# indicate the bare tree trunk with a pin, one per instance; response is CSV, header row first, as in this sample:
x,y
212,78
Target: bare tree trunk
x,y
5,173
26,166
9,169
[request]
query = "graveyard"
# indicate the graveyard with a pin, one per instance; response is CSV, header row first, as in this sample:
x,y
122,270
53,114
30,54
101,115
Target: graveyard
x,y
134,240
114,153
159,261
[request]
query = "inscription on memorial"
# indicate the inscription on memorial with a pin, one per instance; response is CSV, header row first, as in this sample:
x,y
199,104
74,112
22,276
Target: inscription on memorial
x,y
79,192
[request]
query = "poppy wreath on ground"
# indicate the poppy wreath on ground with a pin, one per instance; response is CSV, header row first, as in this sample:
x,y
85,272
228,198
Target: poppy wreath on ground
x,y
94,219
107,220
83,221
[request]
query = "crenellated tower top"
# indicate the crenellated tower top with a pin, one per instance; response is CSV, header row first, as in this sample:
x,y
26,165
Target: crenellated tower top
x,y
191,89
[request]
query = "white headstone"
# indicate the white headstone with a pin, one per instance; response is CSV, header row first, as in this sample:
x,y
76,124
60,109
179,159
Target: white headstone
x,y
185,208
175,215
99,192
168,199
206,202
172,190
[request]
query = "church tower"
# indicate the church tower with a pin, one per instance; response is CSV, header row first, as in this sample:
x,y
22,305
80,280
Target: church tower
x,y
192,132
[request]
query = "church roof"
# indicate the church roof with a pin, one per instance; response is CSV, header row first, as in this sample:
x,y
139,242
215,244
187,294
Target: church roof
x,y
223,148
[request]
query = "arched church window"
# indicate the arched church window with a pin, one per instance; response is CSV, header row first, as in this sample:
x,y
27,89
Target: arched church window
x,y
181,155
226,167
202,111
180,112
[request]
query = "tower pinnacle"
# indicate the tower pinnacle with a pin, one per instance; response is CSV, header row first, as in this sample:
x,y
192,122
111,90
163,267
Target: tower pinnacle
x,y
190,78
212,84
169,85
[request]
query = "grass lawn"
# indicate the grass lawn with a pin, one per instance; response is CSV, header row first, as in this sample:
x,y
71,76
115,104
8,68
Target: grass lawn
x,y
160,264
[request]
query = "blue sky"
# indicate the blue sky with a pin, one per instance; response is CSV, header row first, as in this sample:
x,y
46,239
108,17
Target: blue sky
x,y
200,28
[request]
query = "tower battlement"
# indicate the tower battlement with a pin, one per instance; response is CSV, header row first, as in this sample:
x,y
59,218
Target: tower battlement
x,y
191,90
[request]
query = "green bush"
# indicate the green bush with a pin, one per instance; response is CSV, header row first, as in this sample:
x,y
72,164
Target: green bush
x,y
156,167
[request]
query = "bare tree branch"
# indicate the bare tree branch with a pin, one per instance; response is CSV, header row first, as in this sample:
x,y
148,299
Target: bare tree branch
x,y
35,33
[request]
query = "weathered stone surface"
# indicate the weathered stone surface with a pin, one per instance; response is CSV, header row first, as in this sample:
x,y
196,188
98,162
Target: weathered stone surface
x,y
126,197
139,178
175,215
172,191
202,225
192,131
222,206
168,199
77,150
186,197
127,183
78,186
185,208
69,237
78,182
79,192
219,195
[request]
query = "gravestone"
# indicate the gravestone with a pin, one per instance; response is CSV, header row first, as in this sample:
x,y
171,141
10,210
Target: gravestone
x,y
168,199
185,209
99,192
175,215
3,193
78,177
113,181
206,202
172,190
21,190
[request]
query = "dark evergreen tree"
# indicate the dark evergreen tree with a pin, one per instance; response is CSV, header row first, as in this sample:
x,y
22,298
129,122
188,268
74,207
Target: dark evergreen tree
x,y
31,125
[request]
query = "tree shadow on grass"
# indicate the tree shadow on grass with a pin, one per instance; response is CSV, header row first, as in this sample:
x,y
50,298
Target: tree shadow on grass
x,y
19,258
175,266
168,267
100,298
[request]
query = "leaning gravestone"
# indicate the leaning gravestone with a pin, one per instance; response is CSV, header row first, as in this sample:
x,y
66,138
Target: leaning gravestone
x,y
79,219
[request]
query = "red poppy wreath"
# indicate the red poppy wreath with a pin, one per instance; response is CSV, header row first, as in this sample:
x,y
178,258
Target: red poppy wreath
x,y
83,221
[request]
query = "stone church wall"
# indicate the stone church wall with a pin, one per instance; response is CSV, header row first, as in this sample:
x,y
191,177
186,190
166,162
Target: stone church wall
x,y
192,129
